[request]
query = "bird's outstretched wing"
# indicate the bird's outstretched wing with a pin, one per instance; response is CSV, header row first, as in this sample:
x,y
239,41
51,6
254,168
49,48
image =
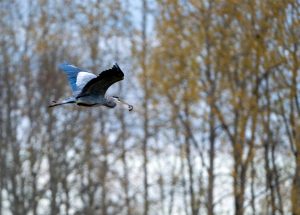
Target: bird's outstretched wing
x,y
77,77
100,84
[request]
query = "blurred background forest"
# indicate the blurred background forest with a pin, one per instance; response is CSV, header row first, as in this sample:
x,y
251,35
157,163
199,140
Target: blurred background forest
x,y
216,121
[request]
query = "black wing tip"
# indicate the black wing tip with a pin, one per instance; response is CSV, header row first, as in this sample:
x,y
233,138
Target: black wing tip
x,y
117,68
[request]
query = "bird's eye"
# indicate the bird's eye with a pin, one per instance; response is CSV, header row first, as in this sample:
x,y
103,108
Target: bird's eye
x,y
116,97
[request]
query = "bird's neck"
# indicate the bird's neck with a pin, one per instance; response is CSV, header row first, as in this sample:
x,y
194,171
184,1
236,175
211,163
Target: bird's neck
x,y
108,98
110,102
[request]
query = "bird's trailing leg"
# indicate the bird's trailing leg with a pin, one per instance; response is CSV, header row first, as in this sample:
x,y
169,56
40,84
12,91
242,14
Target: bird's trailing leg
x,y
65,101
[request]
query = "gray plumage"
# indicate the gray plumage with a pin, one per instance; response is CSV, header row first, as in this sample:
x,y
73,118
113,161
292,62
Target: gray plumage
x,y
90,90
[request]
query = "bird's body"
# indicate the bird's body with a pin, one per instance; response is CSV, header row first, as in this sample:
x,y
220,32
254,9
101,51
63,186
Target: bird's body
x,y
90,90
92,101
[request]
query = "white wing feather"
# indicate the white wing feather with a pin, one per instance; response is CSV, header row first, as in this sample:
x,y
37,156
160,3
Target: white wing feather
x,y
83,78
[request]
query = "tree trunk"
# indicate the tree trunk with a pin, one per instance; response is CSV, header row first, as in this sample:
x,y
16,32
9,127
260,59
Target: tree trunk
x,y
145,107
211,176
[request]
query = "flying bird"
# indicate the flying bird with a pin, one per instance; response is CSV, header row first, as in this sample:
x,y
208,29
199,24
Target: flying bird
x,y
90,90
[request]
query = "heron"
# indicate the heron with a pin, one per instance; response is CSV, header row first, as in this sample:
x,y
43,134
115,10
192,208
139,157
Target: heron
x,y
88,89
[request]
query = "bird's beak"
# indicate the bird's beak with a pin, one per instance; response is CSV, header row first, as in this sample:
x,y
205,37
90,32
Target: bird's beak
x,y
126,105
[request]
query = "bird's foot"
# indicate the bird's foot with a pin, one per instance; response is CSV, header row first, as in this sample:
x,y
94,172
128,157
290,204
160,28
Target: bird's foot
x,y
53,103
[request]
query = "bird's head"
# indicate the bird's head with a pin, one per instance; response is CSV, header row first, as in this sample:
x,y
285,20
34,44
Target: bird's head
x,y
117,100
